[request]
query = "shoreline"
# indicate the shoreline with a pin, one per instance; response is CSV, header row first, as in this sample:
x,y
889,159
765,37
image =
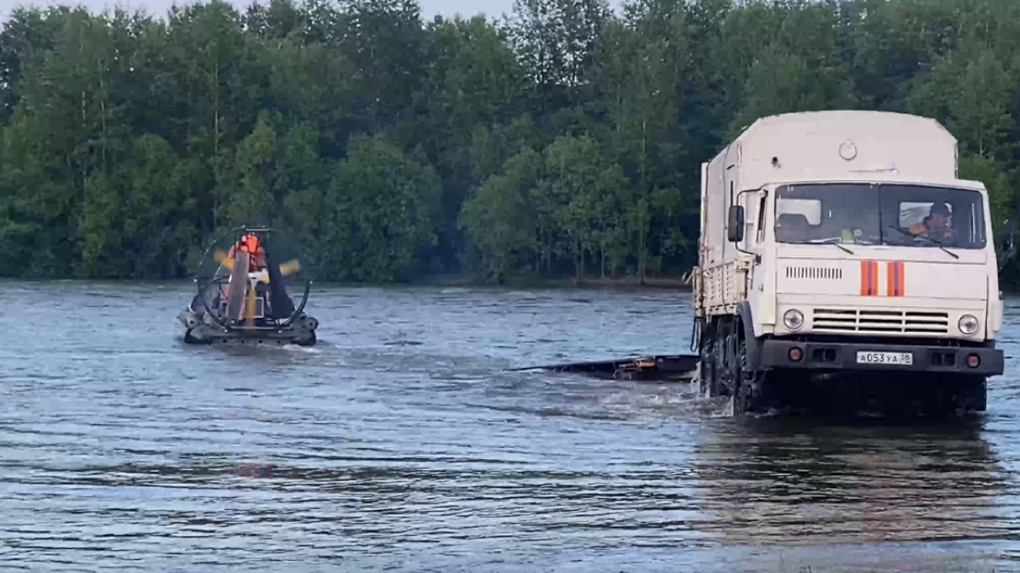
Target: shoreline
x,y
625,283
622,283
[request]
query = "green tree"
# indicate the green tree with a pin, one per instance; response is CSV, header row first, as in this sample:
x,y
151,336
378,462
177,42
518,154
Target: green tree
x,y
158,210
253,200
564,141
971,93
556,41
500,219
579,197
384,208
26,36
473,80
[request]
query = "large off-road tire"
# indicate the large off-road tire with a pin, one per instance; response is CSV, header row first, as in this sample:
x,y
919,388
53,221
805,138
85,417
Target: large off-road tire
x,y
729,381
723,364
968,394
750,395
706,363
939,396
726,370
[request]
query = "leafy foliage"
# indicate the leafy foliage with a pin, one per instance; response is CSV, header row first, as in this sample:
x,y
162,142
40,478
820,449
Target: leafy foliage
x,y
566,140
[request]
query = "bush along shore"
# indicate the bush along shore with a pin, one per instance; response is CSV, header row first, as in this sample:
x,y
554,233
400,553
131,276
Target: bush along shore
x,y
560,142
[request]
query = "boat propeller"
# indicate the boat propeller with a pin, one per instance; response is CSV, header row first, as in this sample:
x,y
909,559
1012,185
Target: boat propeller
x,y
243,268
238,288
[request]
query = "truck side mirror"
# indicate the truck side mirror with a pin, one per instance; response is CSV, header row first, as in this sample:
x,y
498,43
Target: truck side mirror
x,y
735,224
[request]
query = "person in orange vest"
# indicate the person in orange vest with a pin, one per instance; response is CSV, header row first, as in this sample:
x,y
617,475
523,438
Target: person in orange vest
x,y
257,260
250,244
935,225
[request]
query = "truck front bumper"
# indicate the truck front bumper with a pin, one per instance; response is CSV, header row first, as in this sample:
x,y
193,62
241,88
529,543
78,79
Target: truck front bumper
x,y
777,353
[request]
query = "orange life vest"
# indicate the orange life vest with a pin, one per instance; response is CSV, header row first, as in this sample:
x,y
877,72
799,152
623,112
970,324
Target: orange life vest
x,y
250,244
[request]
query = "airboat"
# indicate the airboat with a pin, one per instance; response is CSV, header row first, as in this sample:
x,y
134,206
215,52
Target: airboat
x,y
243,282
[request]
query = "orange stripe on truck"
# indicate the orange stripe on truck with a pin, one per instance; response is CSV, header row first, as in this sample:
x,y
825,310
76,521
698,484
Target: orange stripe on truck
x,y
895,278
869,278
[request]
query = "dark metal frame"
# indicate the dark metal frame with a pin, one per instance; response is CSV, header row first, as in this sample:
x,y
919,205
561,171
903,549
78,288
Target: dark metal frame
x,y
203,284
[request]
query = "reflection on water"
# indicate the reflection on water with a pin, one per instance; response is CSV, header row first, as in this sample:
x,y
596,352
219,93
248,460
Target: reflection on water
x,y
400,442
858,483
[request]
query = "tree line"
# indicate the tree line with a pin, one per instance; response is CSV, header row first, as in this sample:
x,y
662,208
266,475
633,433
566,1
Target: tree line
x,y
563,140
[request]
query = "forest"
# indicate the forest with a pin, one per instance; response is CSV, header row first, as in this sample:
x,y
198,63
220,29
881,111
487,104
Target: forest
x,y
561,141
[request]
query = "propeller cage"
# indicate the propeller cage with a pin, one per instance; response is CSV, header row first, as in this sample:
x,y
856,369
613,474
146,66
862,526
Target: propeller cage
x,y
247,259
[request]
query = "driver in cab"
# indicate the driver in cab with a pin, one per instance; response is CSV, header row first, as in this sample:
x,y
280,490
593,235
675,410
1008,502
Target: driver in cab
x,y
935,225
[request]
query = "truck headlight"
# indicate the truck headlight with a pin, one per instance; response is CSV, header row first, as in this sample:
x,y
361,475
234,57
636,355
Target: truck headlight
x,y
968,324
793,319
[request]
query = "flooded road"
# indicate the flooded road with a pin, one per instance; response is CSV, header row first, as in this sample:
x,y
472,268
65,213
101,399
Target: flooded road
x,y
400,443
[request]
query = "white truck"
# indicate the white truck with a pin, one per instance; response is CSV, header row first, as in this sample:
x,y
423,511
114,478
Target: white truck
x,y
842,242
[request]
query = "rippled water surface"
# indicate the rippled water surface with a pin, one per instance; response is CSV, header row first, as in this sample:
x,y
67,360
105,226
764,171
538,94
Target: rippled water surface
x,y
401,442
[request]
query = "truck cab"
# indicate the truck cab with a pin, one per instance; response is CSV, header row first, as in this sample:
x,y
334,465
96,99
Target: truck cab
x,y
842,242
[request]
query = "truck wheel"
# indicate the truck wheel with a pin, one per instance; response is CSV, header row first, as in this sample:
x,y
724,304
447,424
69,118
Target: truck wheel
x,y
750,392
980,395
970,394
720,362
729,381
706,360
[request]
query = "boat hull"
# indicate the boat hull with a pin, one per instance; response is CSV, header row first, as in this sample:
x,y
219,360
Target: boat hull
x,y
203,330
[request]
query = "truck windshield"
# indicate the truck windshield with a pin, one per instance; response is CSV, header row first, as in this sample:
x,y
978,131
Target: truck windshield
x,y
866,214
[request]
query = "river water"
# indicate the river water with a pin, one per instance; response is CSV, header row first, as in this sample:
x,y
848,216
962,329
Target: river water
x,y
401,442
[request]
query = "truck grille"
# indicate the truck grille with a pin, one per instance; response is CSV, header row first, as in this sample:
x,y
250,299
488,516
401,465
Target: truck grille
x,y
880,321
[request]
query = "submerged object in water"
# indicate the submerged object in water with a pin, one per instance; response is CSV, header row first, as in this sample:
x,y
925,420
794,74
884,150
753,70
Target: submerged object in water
x,y
242,293
679,367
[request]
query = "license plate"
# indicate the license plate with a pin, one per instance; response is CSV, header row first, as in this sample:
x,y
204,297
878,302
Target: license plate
x,y
895,358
